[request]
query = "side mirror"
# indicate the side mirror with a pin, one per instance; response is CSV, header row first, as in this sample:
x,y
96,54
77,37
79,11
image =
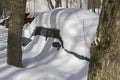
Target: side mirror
x,y
56,45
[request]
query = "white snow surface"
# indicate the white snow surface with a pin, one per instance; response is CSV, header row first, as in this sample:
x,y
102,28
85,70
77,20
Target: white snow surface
x,y
42,61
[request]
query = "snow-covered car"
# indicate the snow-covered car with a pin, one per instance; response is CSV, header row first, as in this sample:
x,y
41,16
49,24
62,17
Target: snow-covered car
x,y
77,30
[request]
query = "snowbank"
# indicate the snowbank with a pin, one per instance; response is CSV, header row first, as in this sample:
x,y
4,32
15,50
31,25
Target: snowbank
x,y
44,62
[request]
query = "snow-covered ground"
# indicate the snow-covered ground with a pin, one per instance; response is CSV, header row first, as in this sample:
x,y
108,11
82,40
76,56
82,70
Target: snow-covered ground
x,y
44,62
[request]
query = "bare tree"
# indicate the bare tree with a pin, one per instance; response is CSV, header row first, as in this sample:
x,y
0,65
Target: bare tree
x,y
80,3
66,3
3,8
105,58
50,4
93,4
58,3
14,51
0,10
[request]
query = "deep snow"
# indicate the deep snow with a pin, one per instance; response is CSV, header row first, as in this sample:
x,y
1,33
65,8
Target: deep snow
x,y
44,62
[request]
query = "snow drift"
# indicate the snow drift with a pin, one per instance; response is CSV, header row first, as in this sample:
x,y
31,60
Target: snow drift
x,y
42,61
77,29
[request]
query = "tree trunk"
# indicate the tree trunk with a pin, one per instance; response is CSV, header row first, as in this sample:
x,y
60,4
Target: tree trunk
x,y
93,4
105,58
4,8
60,5
57,3
0,11
90,4
66,3
80,3
50,4
14,51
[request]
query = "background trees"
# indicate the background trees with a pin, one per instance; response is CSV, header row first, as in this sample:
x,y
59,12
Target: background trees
x,y
105,58
58,3
93,4
0,10
3,8
51,4
14,51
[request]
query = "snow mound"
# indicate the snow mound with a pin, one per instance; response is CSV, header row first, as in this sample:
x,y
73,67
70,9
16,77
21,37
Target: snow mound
x,y
42,61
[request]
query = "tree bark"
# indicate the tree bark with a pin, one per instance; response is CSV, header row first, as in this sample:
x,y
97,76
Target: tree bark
x,y
105,58
14,51
0,10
